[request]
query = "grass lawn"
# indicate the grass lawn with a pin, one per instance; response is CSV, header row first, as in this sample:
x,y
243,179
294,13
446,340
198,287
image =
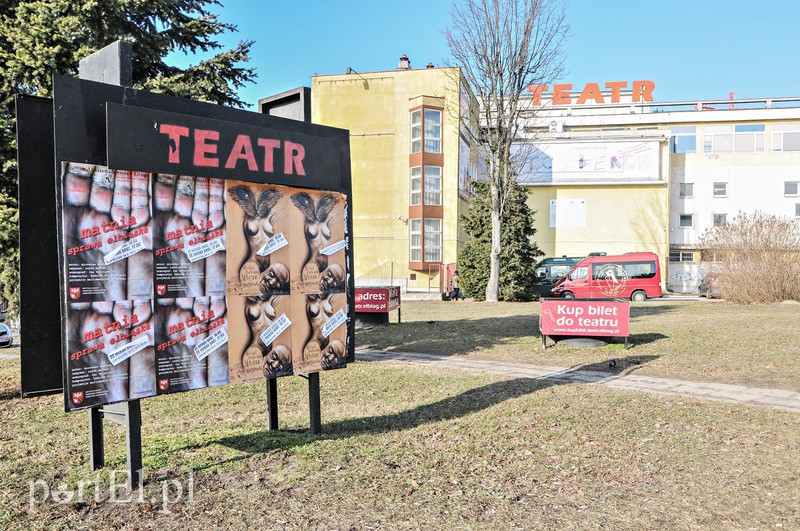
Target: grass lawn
x,y
692,340
422,448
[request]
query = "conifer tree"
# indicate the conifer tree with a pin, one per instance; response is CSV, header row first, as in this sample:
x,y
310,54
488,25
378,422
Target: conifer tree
x,y
518,257
39,38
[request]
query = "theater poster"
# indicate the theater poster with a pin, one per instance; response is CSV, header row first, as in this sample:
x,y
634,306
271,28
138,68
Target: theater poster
x,y
108,250
285,262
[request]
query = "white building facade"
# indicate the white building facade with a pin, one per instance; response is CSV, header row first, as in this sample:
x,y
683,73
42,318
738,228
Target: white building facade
x,y
684,167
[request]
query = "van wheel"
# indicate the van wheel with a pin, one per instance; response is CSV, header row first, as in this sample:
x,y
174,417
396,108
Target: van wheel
x,y
568,295
638,296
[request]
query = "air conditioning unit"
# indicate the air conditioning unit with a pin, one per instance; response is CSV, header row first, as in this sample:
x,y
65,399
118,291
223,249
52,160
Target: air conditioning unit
x,y
556,127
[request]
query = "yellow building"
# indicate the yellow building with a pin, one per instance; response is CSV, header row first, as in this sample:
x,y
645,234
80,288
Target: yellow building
x,y
412,158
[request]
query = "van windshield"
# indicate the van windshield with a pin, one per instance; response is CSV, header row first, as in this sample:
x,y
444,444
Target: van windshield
x,y
558,271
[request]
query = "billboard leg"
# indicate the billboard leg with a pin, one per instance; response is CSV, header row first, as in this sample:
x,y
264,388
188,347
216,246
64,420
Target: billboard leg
x,y
313,403
129,414
272,403
96,456
133,441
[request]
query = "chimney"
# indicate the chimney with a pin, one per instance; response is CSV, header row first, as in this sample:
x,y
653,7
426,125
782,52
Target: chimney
x,y
405,63
429,65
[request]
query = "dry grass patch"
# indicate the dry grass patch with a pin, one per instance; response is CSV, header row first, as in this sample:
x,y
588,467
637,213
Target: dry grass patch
x,y
412,448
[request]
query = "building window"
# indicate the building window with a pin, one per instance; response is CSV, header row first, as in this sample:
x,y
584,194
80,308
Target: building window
x,y
686,220
425,239
720,219
681,256
791,187
416,131
415,240
739,138
686,190
433,240
433,131
786,137
797,210
416,186
720,189
683,140
433,185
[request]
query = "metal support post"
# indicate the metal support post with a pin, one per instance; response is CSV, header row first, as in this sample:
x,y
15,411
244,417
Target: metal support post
x,y
272,403
314,403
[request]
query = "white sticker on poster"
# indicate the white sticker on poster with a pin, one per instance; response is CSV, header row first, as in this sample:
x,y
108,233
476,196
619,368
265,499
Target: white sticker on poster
x,y
333,323
204,250
211,343
274,330
121,354
273,244
334,247
129,248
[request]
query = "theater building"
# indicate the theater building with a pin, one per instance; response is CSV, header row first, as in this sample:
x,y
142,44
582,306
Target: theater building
x,y
608,168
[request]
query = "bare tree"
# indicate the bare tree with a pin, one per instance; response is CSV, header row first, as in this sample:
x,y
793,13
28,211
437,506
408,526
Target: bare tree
x,y
503,47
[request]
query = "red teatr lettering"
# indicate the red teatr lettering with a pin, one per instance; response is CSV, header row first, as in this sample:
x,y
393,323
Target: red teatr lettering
x,y
641,90
205,150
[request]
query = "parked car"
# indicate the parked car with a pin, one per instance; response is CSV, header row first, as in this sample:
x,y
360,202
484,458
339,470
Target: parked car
x,y
6,337
709,287
551,270
635,276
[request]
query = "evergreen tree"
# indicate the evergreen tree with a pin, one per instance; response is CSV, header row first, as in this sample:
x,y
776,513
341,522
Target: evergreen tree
x,y
39,38
518,258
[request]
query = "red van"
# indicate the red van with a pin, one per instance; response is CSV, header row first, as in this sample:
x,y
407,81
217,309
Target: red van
x,y
631,275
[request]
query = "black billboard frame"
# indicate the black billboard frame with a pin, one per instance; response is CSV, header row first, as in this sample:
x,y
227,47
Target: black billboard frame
x,y
75,126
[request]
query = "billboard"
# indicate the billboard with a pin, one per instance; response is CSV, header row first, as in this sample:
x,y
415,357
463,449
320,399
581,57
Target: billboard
x,y
196,249
604,162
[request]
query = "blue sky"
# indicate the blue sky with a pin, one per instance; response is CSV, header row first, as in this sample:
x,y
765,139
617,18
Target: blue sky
x,y
691,49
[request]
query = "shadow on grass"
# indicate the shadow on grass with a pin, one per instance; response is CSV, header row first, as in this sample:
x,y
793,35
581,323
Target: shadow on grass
x,y
452,337
462,336
6,394
646,308
449,408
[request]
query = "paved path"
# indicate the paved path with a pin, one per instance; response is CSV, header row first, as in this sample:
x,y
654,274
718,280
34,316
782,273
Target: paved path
x,y
738,394
9,356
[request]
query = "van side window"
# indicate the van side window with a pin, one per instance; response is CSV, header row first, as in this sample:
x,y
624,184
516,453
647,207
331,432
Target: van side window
x,y
579,273
641,269
541,273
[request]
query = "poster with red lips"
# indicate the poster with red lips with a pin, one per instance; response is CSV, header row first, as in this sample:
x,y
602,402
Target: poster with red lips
x,y
189,236
107,233
110,355
191,343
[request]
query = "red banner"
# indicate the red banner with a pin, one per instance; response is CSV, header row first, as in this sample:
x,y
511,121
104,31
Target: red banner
x,y
377,300
571,317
